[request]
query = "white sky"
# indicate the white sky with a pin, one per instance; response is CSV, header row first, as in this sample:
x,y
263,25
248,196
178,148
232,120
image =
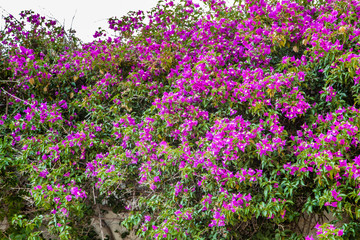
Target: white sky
x,y
89,14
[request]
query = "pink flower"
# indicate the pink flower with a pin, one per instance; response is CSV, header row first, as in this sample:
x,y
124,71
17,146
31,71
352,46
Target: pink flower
x,y
328,168
156,179
64,211
43,173
17,116
335,195
68,198
57,199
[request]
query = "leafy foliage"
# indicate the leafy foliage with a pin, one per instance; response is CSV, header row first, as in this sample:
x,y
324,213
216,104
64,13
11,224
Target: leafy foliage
x,y
208,122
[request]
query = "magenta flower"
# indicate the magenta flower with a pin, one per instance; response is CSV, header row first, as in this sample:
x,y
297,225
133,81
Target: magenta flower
x,y
147,218
17,116
57,200
64,211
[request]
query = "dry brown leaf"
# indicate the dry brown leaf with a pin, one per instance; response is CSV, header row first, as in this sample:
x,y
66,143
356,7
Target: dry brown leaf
x,y
342,29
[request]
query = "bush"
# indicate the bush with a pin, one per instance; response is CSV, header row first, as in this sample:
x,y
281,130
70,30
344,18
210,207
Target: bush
x,y
208,122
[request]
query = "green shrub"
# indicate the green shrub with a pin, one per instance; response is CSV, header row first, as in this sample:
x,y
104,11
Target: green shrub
x,y
208,122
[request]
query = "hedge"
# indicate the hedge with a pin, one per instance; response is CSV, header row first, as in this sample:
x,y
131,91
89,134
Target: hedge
x,y
206,122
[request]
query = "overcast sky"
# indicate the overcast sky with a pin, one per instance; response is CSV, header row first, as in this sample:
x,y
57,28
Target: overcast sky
x,y
88,14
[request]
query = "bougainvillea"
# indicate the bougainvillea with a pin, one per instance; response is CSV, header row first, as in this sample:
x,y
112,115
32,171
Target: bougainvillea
x,y
207,122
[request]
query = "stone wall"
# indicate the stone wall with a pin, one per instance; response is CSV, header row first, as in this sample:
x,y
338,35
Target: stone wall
x,y
111,228
307,223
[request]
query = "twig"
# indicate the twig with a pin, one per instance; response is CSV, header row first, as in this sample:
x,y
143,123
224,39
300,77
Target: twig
x,y
7,105
6,237
9,94
100,223
8,81
98,209
63,25
64,129
72,20
10,14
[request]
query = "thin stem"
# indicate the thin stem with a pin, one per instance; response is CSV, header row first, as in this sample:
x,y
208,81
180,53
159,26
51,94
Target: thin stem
x,y
8,81
98,209
7,105
9,94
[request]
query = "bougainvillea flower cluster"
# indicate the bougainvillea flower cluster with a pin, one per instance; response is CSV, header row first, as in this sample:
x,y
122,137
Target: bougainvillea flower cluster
x,y
207,121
